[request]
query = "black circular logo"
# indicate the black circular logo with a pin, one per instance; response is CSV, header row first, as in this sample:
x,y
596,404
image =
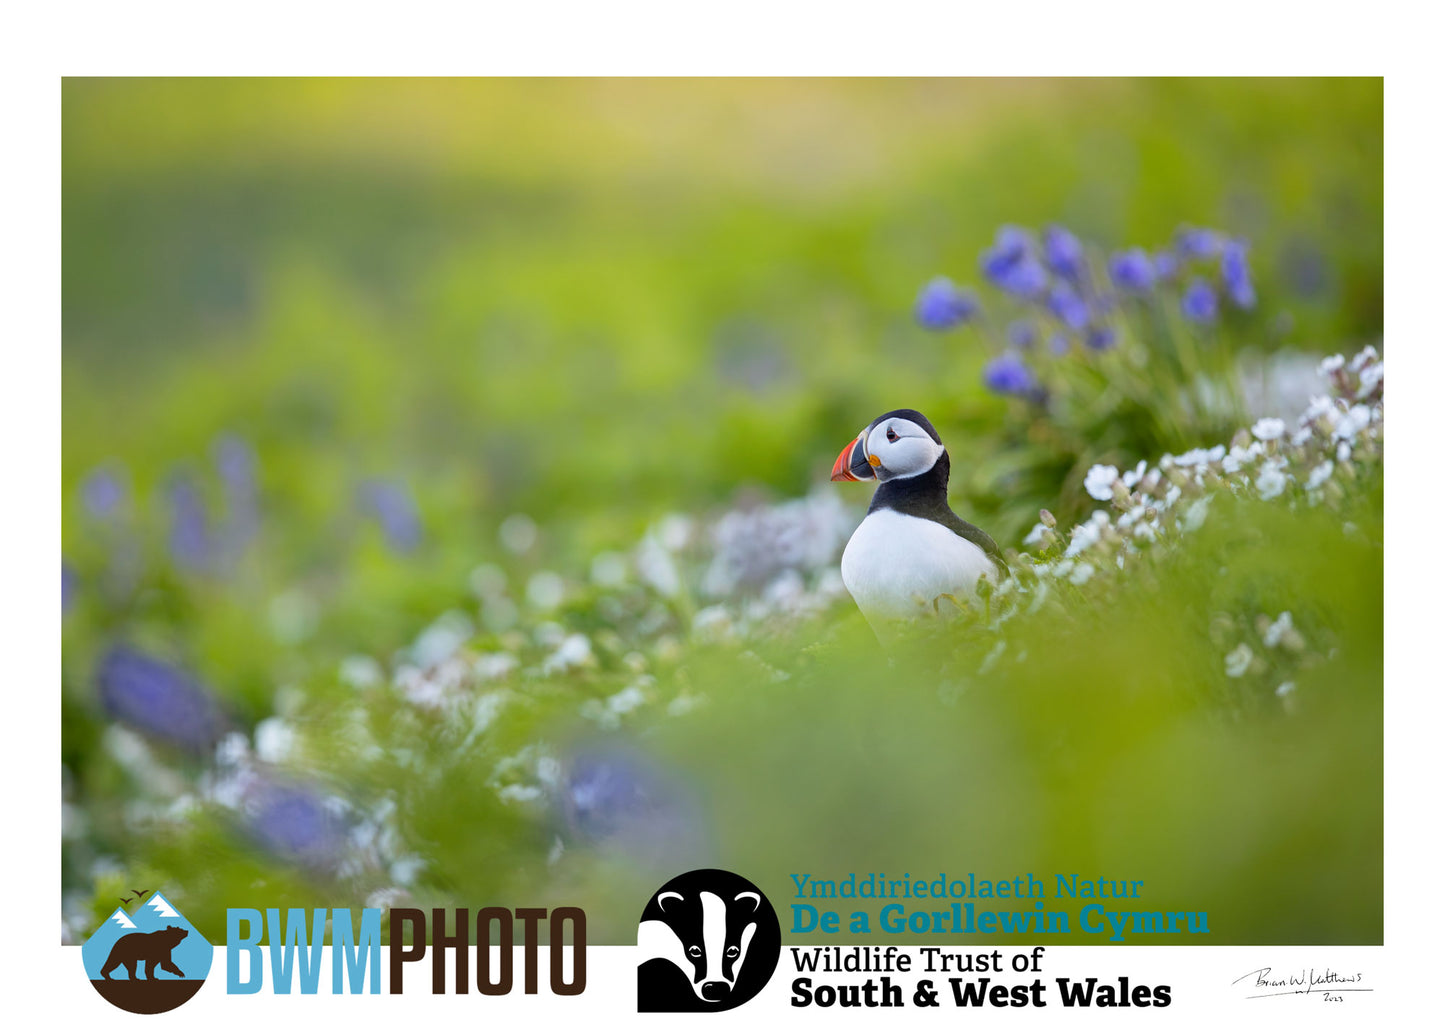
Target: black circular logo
x,y
709,941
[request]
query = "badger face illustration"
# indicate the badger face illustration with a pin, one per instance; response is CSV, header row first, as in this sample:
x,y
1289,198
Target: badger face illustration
x,y
712,936
709,941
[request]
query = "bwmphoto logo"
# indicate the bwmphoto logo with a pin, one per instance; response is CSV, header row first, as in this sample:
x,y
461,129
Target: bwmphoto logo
x,y
147,962
709,941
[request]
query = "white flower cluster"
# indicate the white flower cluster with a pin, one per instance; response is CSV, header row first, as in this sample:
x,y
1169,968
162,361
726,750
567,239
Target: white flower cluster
x,y
1309,461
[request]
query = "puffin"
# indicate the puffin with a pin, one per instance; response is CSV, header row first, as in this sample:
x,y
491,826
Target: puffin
x,y
911,551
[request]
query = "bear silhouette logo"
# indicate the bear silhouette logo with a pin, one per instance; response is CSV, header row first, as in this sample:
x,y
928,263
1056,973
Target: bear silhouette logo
x,y
147,962
153,948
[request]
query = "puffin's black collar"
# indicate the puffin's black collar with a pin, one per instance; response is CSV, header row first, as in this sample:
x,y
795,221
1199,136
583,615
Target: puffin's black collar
x,y
926,496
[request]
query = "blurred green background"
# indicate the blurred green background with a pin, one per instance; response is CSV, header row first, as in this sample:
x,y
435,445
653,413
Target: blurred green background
x,y
597,303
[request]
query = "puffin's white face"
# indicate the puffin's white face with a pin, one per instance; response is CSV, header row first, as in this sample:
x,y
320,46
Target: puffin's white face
x,y
899,448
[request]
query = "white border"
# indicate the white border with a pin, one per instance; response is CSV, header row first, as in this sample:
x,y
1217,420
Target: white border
x,y
749,37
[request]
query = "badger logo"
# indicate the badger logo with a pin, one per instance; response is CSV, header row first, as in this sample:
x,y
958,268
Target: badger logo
x,y
709,940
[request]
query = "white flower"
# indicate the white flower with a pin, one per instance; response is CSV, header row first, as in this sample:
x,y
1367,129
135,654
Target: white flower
x,y
442,638
518,533
1199,456
1370,378
1365,355
1100,481
1082,574
404,871
1343,452
626,700
609,570
546,589
1037,534
1321,472
1194,517
1356,419
675,531
1268,429
656,567
360,671
492,666
520,793
1278,629
1286,689
1238,660
1332,364
488,581
275,740
713,620
1271,480
1320,407
1086,534
574,651
1130,479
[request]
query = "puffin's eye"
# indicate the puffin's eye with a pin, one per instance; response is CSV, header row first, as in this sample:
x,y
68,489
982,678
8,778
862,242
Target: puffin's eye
x,y
694,952
732,952
892,436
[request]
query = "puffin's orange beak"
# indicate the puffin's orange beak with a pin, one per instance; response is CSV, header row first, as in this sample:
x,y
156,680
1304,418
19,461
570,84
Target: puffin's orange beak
x,y
851,465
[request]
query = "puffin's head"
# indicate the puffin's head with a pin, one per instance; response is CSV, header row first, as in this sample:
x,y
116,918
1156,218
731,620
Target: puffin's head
x,y
895,445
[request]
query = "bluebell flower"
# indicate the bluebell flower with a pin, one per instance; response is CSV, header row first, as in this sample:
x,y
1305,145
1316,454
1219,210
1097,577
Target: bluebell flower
x,y
103,492
1008,375
942,305
1011,265
236,464
1063,253
1024,277
615,794
1071,310
294,823
1234,272
1059,344
190,539
1100,338
394,510
1196,242
69,584
1022,333
1198,302
1012,240
1166,265
1132,270
157,698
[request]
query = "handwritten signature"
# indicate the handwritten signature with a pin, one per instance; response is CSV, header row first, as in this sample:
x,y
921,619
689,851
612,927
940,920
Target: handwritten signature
x,y
1266,982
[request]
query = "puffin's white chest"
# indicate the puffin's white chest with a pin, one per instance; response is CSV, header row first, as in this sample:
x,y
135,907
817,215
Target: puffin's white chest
x,y
896,564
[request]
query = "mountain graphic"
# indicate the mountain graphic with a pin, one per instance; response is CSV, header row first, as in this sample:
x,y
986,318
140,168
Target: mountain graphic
x,y
157,907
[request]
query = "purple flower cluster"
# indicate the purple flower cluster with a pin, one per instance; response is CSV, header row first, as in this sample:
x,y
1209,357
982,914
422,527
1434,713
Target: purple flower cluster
x,y
616,795
158,698
394,510
942,305
1078,303
294,823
